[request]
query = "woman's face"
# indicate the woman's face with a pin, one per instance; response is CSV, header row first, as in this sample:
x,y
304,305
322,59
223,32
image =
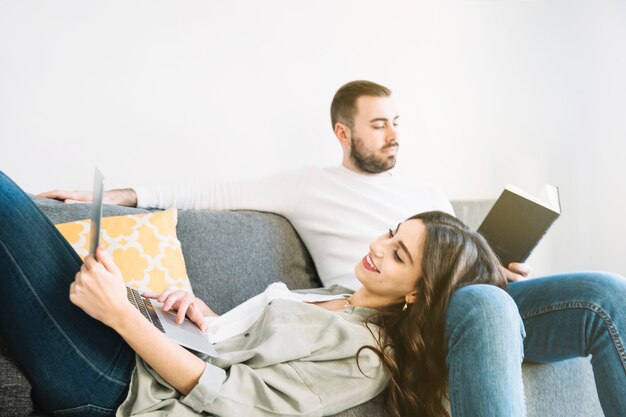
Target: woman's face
x,y
394,263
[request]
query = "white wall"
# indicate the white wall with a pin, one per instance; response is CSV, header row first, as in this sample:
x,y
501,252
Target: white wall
x,y
489,92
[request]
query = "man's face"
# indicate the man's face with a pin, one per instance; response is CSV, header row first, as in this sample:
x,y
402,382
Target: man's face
x,y
374,136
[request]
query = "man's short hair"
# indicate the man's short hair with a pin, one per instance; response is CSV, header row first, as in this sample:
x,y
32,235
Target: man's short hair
x,y
343,108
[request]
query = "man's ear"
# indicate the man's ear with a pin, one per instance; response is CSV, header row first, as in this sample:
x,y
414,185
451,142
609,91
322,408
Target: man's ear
x,y
343,134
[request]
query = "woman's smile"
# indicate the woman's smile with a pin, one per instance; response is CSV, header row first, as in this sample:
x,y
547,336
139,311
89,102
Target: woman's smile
x,y
369,264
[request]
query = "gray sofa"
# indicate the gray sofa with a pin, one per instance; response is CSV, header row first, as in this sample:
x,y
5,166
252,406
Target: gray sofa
x,y
270,250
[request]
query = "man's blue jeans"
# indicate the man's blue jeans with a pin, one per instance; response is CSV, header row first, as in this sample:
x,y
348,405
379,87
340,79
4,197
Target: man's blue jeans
x,y
489,331
79,365
74,362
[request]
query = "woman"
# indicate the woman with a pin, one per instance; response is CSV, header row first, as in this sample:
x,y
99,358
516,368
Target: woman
x,y
336,351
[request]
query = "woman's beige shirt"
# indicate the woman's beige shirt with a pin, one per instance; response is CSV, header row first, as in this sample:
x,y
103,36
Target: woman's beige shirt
x,y
297,359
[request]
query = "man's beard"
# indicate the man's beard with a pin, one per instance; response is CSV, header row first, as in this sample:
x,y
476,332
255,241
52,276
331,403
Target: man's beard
x,y
370,162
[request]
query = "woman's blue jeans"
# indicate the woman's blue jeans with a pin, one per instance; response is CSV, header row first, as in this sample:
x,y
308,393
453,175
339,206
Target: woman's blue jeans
x,y
76,365
490,331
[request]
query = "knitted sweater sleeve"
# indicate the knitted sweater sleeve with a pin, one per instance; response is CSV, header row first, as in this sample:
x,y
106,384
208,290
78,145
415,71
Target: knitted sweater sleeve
x,y
277,193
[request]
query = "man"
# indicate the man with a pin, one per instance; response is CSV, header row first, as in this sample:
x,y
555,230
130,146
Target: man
x,y
336,210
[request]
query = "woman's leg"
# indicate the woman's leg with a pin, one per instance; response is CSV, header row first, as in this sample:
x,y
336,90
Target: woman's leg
x,y
70,359
574,315
484,334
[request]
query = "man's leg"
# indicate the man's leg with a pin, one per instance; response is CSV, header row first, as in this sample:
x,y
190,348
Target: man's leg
x,y
484,334
70,359
574,315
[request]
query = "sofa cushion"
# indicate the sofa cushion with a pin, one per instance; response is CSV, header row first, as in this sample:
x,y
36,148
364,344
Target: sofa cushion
x,y
144,246
14,387
230,255
472,212
234,255
569,383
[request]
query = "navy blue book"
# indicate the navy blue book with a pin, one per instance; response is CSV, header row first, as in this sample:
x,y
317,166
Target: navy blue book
x,y
517,222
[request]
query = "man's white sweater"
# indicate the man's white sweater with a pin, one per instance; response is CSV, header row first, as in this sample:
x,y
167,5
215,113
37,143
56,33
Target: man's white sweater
x,y
336,212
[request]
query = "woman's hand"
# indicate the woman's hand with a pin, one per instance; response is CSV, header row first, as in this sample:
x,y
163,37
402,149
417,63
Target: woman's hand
x,y
185,304
517,272
99,289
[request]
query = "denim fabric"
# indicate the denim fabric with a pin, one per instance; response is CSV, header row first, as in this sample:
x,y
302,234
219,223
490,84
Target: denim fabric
x,y
484,334
562,317
74,363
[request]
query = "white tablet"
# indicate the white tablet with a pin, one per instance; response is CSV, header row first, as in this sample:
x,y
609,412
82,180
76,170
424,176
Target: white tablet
x,y
96,211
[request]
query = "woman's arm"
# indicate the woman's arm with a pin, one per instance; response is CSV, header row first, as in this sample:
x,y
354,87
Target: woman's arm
x,y
100,291
296,388
179,367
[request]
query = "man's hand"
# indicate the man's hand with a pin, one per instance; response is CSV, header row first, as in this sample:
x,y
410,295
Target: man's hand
x,y
99,289
120,197
185,304
516,272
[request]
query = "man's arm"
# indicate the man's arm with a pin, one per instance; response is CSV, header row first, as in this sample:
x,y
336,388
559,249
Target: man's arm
x,y
277,193
120,197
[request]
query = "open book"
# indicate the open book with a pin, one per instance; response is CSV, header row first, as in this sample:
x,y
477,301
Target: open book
x,y
517,222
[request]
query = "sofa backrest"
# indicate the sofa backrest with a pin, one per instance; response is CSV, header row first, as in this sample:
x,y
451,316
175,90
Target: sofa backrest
x,y
472,212
233,255
229,255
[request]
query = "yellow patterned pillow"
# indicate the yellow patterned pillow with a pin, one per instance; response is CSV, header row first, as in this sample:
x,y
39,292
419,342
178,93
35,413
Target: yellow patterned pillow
x,y
144,246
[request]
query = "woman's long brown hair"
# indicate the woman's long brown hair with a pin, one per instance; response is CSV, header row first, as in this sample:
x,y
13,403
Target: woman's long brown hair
x,y
411,341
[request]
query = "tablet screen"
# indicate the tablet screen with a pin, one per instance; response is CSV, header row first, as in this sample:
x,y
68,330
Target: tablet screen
x,y
96,210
